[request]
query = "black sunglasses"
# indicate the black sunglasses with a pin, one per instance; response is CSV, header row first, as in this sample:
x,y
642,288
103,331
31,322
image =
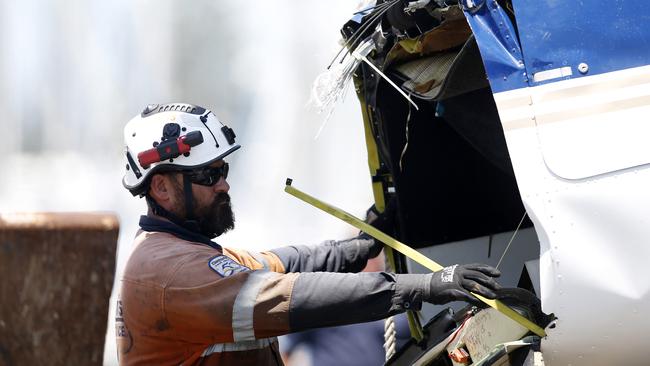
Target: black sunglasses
x,y
208,176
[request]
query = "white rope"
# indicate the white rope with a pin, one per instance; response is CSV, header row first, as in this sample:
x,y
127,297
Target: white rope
x,y
390,337
390,332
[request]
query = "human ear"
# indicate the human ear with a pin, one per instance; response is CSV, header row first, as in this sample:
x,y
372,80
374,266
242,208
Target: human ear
x,y
159,189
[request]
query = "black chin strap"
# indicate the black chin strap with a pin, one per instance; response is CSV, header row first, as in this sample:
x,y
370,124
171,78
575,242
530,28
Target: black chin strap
x,y
190,218
188,224
189,202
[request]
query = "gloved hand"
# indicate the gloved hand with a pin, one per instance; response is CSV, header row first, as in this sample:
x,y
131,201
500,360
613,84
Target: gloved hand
x,y
454,283
384,222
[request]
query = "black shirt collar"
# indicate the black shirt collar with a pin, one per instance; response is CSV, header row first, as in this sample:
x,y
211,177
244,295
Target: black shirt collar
x,y
151,224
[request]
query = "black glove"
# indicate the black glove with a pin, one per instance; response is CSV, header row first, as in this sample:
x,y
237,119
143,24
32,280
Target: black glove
x,y
384,222
454,283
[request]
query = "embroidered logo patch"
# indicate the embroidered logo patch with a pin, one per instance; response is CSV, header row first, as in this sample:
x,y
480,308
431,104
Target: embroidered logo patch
x,y
225,266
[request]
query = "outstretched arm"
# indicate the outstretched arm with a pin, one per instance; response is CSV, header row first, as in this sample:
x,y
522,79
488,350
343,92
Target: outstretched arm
x,y
261,304
331,256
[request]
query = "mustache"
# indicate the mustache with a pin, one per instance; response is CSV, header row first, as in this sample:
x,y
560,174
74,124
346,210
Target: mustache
x,y
221,199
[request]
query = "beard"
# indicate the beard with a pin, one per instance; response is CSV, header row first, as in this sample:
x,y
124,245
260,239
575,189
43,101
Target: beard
x,y
215,218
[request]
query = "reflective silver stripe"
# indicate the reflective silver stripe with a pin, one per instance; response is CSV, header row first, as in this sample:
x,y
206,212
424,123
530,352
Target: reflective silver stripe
x,y
239,346
242,312
260,258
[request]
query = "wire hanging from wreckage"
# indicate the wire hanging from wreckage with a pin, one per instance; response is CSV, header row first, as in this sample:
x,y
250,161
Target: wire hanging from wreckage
x,y
514,234
353,41
330,86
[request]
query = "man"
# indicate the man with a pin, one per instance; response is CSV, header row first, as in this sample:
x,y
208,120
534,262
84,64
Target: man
x,y
187,300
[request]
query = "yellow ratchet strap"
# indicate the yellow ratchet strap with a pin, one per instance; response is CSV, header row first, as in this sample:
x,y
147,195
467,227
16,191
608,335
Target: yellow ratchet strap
x,y
407,251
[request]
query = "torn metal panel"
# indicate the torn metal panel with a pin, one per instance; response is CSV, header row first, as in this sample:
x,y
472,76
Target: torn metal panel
x,y
449,153
497,39
445,74
452,32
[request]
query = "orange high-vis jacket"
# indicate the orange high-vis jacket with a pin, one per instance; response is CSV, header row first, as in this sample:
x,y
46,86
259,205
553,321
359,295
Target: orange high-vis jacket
x,y
187,303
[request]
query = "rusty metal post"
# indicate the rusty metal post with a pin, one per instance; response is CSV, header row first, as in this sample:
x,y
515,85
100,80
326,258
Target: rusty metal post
x,y
56,277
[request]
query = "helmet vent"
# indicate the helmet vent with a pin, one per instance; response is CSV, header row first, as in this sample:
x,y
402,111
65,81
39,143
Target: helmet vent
x,y
152,109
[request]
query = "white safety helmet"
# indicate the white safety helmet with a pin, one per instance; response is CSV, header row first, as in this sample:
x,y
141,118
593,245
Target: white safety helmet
x,y
175,136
